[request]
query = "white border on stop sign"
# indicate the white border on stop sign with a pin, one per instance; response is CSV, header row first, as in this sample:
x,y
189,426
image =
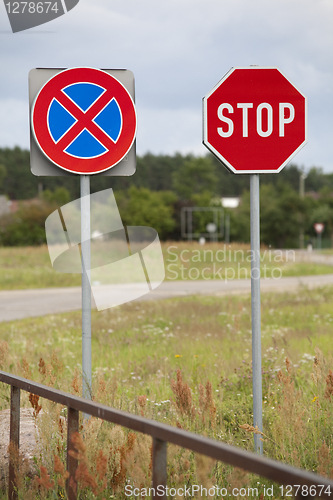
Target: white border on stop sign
x,y
223,160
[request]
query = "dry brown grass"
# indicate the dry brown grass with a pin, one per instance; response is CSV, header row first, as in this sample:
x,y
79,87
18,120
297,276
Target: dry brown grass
x,y
186,363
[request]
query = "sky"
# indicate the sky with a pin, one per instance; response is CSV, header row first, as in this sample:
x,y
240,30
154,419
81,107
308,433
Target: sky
x,y
178,50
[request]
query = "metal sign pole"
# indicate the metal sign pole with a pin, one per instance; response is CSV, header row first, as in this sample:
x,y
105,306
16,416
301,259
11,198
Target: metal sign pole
x,y
254,152
256,313
227,229
86,292
47,154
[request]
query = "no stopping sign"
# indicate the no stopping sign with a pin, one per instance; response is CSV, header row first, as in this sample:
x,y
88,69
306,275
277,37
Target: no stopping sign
x,y
84,120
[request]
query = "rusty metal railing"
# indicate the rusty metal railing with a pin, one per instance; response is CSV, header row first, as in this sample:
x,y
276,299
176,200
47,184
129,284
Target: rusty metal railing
x,y
161,435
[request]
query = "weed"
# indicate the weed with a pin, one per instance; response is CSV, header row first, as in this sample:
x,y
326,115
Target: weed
x,y
3,354
33,398
183,395
329,386
206,389
142,400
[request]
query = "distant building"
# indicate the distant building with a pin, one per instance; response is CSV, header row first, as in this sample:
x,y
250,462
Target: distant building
x,y
12,206
4,205
230,202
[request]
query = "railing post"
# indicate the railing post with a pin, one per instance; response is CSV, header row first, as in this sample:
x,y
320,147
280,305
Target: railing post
x,y
14,441
159,467
72,426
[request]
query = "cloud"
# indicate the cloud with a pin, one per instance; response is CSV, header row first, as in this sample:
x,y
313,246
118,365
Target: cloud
x,y
170,130
178,50
14,125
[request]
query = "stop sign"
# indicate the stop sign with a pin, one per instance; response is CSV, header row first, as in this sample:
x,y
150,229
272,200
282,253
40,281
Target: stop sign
x,y
319,227
255,120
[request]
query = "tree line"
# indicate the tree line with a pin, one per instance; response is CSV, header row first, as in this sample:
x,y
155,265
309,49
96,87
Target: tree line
x,y
162,186
154,172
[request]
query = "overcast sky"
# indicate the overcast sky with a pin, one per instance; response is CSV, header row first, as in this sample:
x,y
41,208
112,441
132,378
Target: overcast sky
x,y
178,50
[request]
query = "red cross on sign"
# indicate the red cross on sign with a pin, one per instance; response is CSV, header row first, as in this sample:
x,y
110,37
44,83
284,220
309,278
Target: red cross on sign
x,y
84,120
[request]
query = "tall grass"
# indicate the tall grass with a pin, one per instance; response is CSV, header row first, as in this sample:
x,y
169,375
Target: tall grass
x,y
187,363
30,267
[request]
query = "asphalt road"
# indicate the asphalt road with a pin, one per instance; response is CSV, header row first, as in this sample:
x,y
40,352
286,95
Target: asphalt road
x,y
17,304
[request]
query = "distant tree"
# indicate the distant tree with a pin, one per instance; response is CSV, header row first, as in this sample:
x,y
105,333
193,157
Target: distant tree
x,y
194,177
240,220
204,199
322,213
60,196
143,207
193,181
200,219
289,175
228,184
316,180
18,183
26,227
280,216
3,173
280,209
155,172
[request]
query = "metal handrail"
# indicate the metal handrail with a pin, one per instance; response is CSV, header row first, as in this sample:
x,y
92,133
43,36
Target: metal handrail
x,y
161,434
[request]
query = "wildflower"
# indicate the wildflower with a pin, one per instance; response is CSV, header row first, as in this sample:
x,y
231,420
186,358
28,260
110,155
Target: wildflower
x,y
44,479
85,478
250,428
178,355
183,395
33,398
58,465
101,465
79,446
42,366
59,468
329,385
142,400
314,399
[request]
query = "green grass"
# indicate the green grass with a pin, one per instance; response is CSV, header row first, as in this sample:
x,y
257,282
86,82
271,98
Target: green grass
x,y
146,356
30,267
148,338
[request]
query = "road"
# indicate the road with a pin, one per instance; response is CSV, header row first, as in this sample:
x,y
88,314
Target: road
x,y
18,304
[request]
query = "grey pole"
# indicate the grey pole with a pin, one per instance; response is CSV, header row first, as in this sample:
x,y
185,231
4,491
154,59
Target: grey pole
x,y
256,313
301,195
216,226
183,222
189,225
86,291
227,228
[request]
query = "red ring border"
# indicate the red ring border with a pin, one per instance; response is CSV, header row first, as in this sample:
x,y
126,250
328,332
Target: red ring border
x,y
45,141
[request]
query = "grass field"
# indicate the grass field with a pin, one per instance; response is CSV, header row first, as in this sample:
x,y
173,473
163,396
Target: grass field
x,y
186,362
30,267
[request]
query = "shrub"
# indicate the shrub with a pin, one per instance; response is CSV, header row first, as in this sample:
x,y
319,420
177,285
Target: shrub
x,y
26,227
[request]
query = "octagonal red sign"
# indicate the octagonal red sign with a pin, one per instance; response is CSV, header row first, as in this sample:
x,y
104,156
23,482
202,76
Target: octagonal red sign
x,y
255,120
